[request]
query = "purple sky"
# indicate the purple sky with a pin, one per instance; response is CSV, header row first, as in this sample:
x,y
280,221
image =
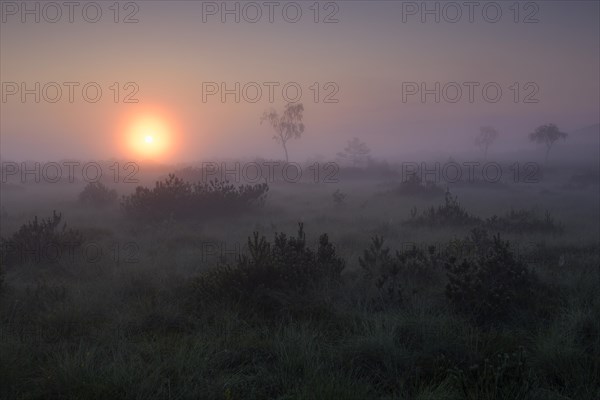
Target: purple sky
x,y
371,57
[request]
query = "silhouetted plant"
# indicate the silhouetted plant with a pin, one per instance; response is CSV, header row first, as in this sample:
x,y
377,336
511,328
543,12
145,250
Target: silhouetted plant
x,y
414,185
98,195
287,126
504,376
272,276
175,198
524,221
487,136
356,152
39,241
491,282
547,135
391,275
449,214
382,271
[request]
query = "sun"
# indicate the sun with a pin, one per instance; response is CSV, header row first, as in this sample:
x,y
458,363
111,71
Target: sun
x,y
149,135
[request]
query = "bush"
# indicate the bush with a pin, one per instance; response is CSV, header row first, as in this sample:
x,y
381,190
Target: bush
x,y
97,194
39,242
390,275
414,185
274,276
449,214
505,376
524,221
382,272
491,283
175,198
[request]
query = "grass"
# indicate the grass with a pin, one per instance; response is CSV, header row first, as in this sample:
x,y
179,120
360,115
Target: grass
x,y
132,330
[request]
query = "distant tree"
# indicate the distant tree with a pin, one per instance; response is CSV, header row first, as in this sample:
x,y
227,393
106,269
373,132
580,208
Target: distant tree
x,y
487,136
547,134
356,151
287,126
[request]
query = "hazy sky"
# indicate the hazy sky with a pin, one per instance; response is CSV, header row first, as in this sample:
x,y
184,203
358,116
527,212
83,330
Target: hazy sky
x,y
371,57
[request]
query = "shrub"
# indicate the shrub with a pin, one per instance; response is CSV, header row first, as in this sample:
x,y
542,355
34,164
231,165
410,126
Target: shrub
x,y
39,242
382,272
414,185
98,195
175,198
491,283
390,275
273,276
524,221
449,214
505,376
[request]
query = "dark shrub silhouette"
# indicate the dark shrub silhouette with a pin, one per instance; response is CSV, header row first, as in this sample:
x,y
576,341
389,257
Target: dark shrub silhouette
x,y
388,276
41,242
175,198
449,214
491,282
98,195
523,221
414,185
273,276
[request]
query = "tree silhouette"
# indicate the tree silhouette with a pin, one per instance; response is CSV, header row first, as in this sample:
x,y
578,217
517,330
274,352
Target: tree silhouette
x,y
287,126
355,151
487,136
547,134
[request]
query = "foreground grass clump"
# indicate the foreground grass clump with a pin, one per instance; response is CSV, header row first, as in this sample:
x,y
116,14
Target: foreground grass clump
x,y
178,199
40,242
274,277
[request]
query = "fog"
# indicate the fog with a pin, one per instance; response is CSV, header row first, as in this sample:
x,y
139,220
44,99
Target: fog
x,y
300,200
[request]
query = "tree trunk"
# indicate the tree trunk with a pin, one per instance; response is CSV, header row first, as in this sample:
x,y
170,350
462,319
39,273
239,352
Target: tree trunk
x,y
547,153
286,152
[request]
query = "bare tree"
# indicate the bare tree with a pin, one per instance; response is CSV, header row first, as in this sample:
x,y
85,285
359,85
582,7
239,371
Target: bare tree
x,y
547,134
355,151
487,136
287,126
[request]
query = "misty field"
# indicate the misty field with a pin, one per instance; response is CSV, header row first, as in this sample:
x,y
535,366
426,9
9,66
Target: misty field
x,y
368,286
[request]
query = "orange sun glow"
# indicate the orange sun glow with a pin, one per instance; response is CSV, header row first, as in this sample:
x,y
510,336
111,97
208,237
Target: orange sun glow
x,y
150,136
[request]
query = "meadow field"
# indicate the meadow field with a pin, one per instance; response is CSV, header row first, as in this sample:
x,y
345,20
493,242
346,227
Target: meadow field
x,y
370,285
